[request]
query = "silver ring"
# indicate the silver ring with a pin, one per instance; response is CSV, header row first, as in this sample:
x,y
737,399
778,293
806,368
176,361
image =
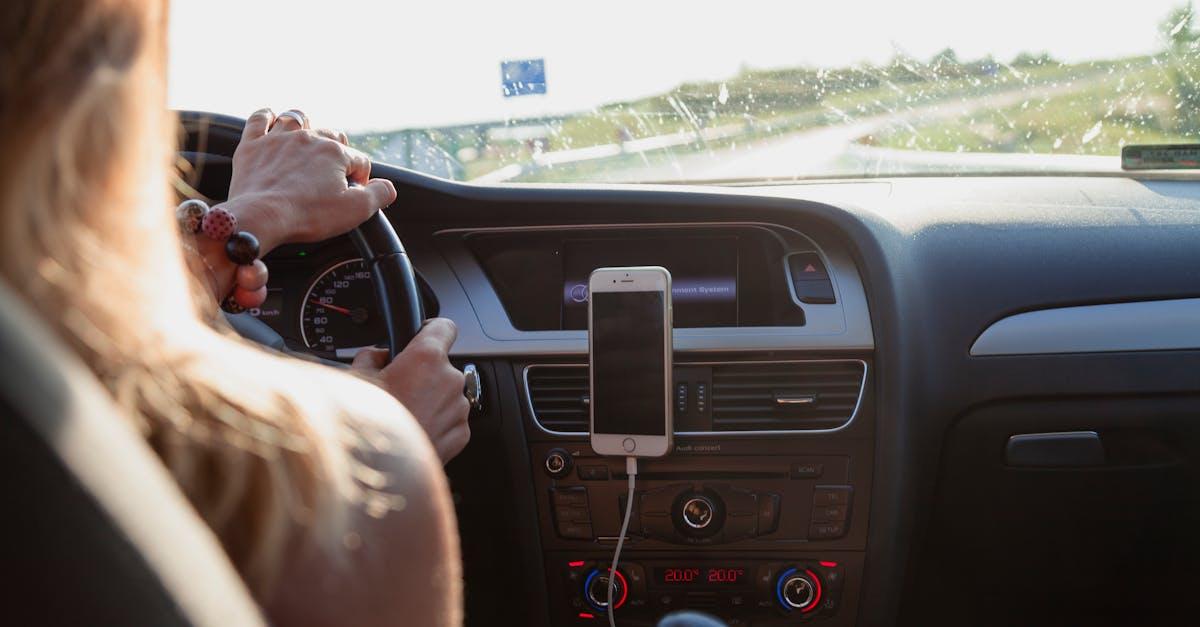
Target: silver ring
x,y
473,386
295,115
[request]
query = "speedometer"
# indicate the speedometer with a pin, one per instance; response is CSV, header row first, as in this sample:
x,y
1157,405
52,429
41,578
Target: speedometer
x,y
340,313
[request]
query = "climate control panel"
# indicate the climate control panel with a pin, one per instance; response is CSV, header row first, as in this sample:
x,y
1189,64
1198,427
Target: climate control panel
x,y
756,532
764,592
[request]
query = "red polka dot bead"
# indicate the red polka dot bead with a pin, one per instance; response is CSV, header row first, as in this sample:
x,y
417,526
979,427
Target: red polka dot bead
x,y
219,224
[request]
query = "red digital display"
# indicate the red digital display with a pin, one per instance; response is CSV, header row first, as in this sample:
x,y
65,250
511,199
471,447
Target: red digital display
x,y
715,575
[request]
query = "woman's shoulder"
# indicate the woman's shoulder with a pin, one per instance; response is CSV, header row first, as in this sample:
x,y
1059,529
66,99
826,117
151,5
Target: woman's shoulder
x,y
383,549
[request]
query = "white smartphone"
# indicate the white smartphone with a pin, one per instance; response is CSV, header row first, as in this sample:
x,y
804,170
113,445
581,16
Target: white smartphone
x,y
629,361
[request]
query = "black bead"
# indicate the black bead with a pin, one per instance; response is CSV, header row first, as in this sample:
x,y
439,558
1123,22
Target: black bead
x,y
242,248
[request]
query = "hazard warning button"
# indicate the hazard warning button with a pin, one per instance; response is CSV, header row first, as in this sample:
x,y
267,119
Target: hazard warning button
x,y
807,266
810,279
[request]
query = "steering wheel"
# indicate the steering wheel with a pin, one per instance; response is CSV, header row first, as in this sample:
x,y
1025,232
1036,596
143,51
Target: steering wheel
x,y
392,274
394,279
396,289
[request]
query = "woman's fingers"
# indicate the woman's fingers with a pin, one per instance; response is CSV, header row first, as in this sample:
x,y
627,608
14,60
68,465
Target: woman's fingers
x,y
358,166
336,136
364,200
451,444
257,124
370,361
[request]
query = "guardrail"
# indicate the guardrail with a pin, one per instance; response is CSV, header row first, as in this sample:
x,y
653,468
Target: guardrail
x,y
604,151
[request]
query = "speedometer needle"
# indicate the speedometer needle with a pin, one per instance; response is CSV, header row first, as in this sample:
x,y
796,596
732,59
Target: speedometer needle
x,y
341,310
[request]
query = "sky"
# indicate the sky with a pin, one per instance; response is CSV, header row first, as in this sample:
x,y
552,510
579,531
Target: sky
x,y
361,65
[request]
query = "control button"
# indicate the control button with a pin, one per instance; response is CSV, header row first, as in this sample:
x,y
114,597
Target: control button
x,y
829,513
569,496
595,590
636,577
826,530
798,590
833,579
593,473
738,526
659,501
635,520
698,512
558,463
768,512
818,292
807,470
832,495
571,513
807,267
658,526
629,445
575,530
738,501
798,593
701,397
681,397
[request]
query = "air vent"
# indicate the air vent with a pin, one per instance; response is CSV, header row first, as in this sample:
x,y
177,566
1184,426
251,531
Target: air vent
x,y
559,397
788,396
748,396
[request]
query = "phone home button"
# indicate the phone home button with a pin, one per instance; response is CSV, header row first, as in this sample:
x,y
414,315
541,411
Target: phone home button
x,y
629,444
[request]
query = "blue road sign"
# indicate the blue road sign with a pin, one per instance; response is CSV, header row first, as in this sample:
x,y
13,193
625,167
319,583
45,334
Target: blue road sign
x,y
524,77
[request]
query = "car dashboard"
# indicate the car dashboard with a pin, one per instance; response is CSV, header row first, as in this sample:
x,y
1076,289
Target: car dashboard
x,y
853,361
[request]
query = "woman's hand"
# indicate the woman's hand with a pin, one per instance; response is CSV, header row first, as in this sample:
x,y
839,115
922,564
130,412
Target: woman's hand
x,y
289,182
423,380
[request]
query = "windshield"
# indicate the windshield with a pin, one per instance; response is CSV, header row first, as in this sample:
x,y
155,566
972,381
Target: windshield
x,y
658,91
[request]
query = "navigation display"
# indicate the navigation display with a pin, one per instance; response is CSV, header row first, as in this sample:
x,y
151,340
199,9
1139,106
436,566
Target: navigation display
x,y
703,270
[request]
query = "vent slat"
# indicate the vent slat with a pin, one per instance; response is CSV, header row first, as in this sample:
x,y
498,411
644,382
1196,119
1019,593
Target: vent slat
x,y
794,381
765,409
767,393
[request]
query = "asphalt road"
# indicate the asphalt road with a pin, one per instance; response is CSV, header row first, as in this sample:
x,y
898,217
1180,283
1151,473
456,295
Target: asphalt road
x,y
832,150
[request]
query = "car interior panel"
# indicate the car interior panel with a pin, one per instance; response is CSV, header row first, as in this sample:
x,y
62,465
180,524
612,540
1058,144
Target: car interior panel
x,y
929,482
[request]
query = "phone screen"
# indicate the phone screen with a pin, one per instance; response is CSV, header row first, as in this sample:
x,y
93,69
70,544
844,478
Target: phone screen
x,y
628,369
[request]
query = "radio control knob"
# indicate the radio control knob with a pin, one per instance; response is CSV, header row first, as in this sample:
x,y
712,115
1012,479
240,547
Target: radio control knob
x,y
558,463
595,590
798,590
698,512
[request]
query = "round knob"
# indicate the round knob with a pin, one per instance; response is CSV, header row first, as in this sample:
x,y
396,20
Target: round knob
x,y
698,512
595,589
798,590
558,463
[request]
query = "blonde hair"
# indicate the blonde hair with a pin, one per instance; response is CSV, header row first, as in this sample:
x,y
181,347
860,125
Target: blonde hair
x,y
87,235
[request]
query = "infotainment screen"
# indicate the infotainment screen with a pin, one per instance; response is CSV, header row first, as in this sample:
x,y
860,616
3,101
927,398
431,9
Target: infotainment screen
x,y
704,273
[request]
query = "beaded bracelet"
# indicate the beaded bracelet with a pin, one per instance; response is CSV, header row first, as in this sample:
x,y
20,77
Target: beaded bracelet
x,y
241,247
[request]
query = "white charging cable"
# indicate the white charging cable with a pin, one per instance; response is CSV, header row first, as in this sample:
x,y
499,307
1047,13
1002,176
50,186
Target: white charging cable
x,y
631,471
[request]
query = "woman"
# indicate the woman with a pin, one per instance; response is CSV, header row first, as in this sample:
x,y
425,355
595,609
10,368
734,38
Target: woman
x,y
326,493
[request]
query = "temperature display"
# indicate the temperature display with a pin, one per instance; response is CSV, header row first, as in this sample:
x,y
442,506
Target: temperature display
x,y
715,575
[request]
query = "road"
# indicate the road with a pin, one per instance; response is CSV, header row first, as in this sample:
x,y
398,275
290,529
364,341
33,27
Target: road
x,y
832,150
